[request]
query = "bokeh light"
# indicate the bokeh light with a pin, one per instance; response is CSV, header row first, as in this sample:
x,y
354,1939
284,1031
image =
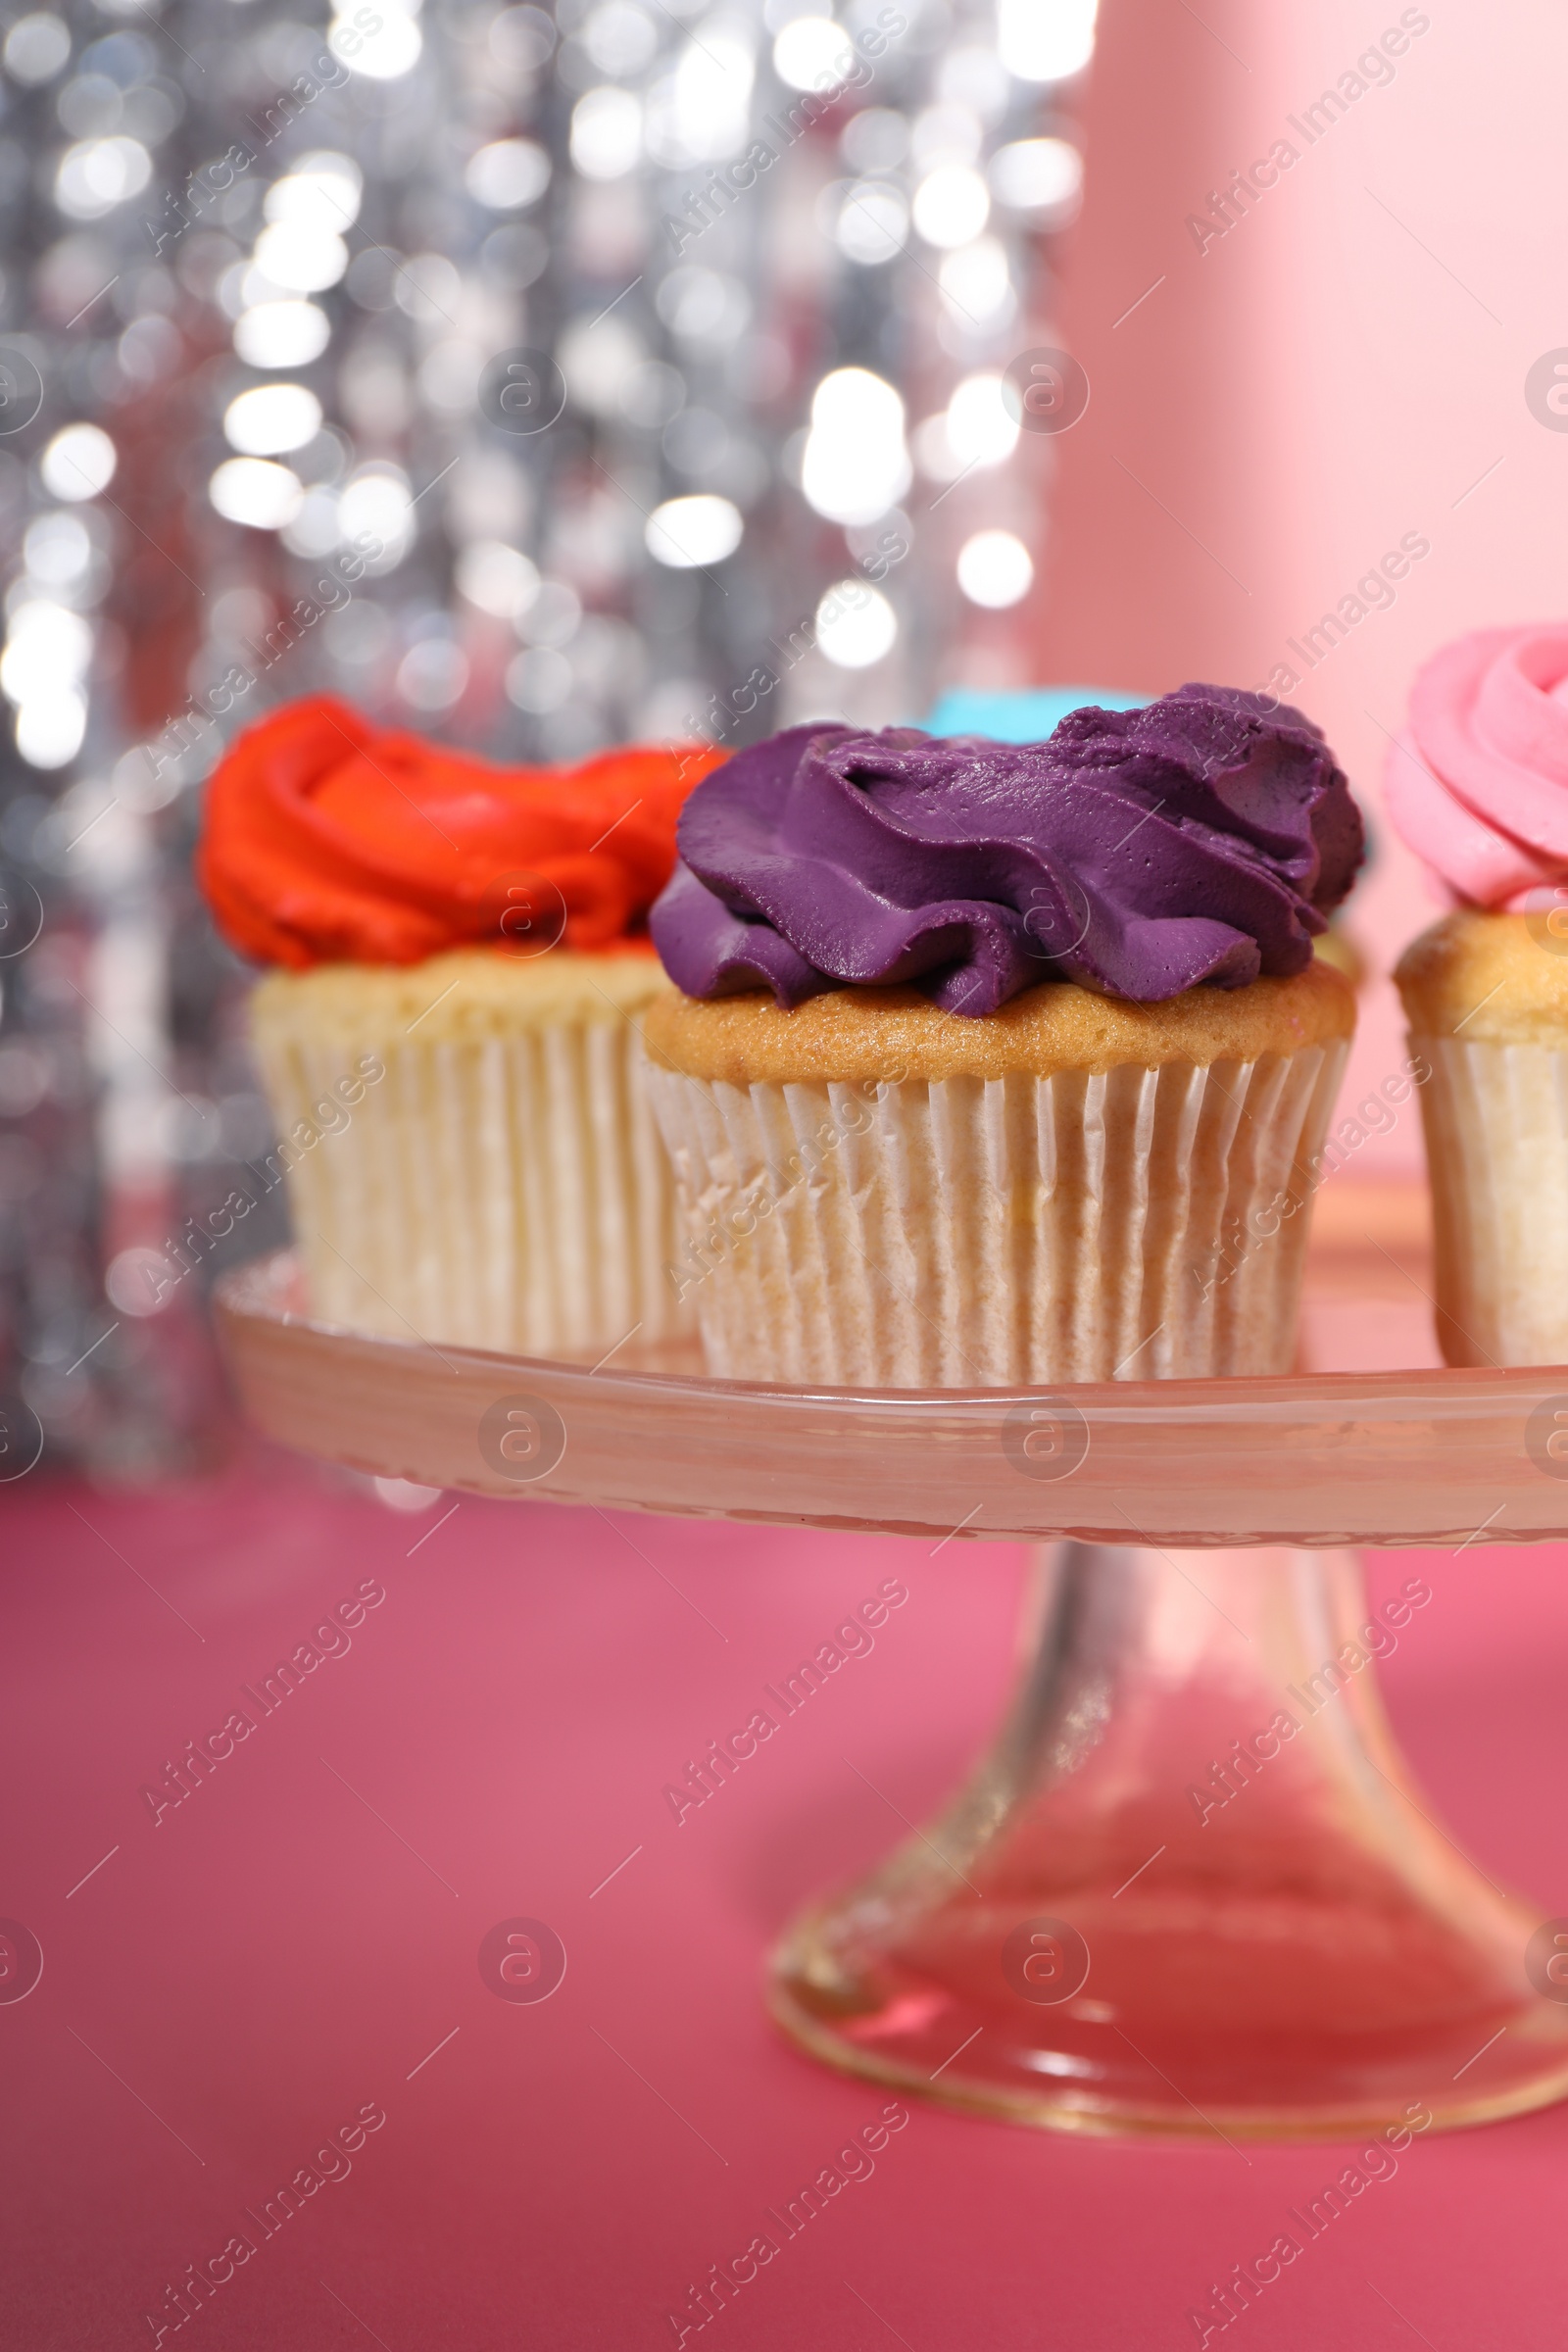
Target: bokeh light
x,y
323,190
255,491
271,419
1045,40
78,462
507,174
994,569
952,205
855,625
981,429
813,53
281,334
874,221
35,48
855,465
686,532
382,44
299,257
97,175
607,133
1037,175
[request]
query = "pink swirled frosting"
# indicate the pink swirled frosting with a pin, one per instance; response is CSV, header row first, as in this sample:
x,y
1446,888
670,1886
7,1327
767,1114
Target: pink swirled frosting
x,y
1478,785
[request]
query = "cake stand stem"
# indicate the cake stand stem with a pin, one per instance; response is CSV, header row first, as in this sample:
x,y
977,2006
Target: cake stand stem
x,y
1192,1891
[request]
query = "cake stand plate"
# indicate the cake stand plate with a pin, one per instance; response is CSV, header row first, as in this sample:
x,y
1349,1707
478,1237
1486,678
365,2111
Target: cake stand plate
x,y
1192,1891
1430,1458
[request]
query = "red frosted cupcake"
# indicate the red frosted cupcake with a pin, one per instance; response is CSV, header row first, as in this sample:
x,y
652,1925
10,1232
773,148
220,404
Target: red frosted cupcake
x,y
452,1047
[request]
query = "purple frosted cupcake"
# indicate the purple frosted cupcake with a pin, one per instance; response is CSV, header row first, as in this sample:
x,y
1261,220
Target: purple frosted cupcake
x,y
1005,1063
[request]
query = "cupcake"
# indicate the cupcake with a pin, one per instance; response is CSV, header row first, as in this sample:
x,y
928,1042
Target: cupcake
x,y
1002,1064
1478,788
450,1043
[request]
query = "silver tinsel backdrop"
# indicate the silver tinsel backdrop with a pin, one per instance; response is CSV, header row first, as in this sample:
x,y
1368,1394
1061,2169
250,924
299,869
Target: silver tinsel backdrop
x,y
539,380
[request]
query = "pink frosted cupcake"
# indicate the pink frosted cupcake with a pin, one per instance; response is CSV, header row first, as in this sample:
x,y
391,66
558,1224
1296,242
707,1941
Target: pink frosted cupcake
x,y
1479,789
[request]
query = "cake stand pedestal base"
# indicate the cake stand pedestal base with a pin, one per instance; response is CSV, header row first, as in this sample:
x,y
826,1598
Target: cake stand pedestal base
x,y
1192,1891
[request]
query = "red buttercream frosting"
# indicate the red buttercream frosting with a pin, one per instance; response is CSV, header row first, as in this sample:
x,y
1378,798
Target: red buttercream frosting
x,y
328,840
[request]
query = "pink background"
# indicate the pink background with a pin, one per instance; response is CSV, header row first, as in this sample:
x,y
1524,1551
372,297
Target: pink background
x,y
236,1982
233,1984
1318,381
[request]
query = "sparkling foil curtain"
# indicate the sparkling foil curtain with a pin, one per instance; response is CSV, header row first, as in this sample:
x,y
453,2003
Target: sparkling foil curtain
x,y
536,379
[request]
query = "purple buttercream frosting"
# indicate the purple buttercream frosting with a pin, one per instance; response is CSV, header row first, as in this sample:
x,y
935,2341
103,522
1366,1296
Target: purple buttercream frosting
x,y
1203,838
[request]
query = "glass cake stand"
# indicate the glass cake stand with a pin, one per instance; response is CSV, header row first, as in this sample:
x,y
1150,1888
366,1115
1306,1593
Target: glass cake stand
x,y
1191,1890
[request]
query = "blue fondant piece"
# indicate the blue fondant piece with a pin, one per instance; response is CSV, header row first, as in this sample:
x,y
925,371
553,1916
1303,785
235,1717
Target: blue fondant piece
x,y
1025,715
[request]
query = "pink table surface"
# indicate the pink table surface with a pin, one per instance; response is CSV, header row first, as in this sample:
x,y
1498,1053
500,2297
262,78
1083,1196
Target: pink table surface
x,y
299,1942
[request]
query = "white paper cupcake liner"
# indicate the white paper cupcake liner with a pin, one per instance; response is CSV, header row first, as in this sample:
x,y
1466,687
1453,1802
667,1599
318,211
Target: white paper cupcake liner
x,y
508,1192
1497,1130
968,1232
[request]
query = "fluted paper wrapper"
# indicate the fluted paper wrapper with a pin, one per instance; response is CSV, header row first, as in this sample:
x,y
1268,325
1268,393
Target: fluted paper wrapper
x,y
968,1232
1497,1130
508,1192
